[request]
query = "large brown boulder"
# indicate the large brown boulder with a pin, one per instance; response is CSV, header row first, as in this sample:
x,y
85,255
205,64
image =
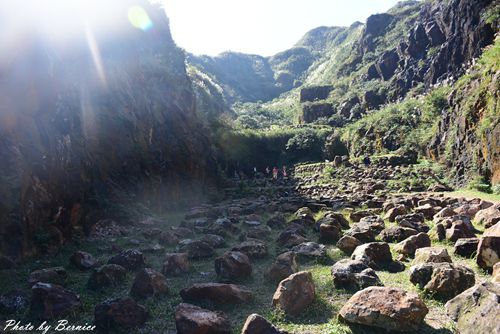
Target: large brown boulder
x,y
352,274
397,234
190,319
119,314
107,275
488,250
252,248
443,280
489,216
389,308
130,259
477,309
431,255
175,264
55,275
51,301
218,293
295,293
376,255
148,282
196,249
83,260
348,244
284,266
233,266
255,324
408,246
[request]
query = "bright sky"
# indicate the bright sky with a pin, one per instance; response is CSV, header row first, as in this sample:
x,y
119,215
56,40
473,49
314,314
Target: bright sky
x,y
262,27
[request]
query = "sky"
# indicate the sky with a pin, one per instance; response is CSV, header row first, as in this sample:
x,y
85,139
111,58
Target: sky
x,y
263,27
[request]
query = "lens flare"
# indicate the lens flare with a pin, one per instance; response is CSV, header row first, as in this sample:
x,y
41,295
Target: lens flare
x,y
139,18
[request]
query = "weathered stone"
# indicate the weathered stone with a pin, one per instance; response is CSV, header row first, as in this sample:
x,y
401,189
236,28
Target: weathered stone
x,y
216,241
352,274
255,324
397,234
376,255
196,249
130,259
310,250
495,276
389,308
427,210
410,245
175,264
329,233
489,216
444,280
107,275
233,266
466,247
56,275
295,293
348,244
459,230
284,266
190,319
477,309
431,255
120,313
83,260
51,301
252,248
148,282
357,215
488,250
168,238
218,293
259,232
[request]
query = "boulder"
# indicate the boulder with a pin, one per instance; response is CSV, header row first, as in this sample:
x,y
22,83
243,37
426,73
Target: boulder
x,y
83,260
367,228
476,310
459,230
431,255
148,282
217,293
443,280
259,232
495,276
488,250
130,259
51,301
309,251
168,238
392,213
409,246
445,212
190,319
466,247
413,220
175,264
14,301
391,309
196,249
329,233
107,275
256,324
233,266
427,210
295,293
357,215
55,275
284,266
119,314
489,216
353,275
252,248
397,234
348,244
376,255
216,241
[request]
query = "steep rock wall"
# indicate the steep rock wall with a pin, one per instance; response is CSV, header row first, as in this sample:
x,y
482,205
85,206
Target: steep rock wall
x,y
96,119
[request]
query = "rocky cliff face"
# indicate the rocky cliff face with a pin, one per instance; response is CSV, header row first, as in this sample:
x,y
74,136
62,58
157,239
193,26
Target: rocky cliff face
x,y
468,136
103,118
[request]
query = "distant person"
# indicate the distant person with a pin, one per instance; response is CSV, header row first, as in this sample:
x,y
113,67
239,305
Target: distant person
x,y
275,173
367,161
267,171
284,171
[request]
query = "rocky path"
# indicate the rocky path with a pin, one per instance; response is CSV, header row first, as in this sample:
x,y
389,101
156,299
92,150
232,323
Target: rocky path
x,y
341,253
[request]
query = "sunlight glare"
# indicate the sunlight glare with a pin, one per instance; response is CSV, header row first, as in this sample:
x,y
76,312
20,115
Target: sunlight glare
x,y
139,18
